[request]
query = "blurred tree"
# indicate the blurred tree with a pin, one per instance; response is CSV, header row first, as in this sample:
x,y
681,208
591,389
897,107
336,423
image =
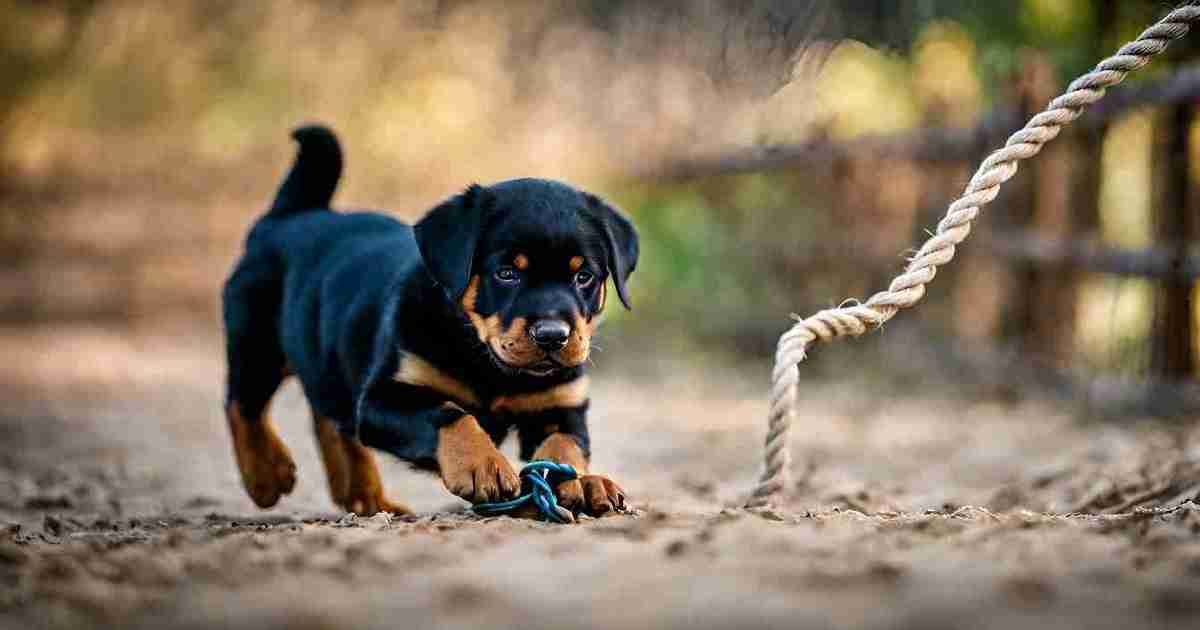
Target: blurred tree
x,y
37,38
1074,33
747,48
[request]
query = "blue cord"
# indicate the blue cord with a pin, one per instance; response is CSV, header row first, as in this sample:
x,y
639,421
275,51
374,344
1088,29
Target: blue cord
x,y
539,478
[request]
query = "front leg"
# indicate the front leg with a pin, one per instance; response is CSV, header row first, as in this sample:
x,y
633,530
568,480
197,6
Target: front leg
x,y
419,426
470,464
562,437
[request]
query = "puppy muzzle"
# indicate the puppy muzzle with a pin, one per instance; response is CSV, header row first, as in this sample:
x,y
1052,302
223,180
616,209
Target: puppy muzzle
x,y
550,335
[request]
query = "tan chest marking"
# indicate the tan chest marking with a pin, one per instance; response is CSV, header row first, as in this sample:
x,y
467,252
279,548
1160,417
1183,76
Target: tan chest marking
x,y
417,371
572,394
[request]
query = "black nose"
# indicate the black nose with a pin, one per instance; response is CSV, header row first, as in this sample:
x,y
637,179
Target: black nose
x,y
550,334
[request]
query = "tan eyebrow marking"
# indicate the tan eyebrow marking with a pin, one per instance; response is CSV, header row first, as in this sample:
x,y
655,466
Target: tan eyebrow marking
x,y
417,371
576,263
572,394
521,262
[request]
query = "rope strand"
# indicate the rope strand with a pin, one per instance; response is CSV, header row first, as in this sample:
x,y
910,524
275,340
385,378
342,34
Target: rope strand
x,y
909,287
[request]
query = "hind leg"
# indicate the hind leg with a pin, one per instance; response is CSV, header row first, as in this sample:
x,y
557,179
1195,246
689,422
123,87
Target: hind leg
x,y
256,368
354,481
268,471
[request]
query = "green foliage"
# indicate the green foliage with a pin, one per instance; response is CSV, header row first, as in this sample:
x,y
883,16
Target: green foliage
x,y
427,102
684,246
712,255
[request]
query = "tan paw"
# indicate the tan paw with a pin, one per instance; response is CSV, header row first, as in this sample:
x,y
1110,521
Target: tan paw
x,y
562,448
484,478
364,492
369,504
354,480
268,471
470,465
601,495
570,495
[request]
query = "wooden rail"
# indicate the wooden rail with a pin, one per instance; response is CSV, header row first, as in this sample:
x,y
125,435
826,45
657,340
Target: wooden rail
x,y
930,145
1088,253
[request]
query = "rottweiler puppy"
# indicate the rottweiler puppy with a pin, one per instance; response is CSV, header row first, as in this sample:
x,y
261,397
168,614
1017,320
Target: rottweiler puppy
x,y
430,342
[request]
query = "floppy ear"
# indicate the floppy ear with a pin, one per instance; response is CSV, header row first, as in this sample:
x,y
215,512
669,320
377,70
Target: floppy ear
x,y
621,241
447,237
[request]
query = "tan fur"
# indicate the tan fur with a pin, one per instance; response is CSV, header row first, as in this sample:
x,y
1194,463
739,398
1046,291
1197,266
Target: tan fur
x,y
471,466
562,448
268,471
469,298
365,494
597,494
576,263
579,344
521,262
602,495
354,481
488,328
417,371
572,394
337,473
513,346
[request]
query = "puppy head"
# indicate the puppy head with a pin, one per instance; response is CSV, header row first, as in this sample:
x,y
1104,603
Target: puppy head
x,y
528,262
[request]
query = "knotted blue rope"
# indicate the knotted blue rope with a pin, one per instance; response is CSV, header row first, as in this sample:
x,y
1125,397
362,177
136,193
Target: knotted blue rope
x,y
538,479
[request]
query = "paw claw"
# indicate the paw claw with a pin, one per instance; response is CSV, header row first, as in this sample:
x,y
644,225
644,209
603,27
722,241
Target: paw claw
x,y
510,483
602,496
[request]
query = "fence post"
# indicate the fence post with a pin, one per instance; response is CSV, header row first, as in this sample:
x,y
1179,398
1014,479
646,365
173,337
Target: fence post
x,y
1052,292
1173,334
1040,303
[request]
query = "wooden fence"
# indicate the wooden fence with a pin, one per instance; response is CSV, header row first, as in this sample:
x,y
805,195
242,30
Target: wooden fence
x,y
1042,234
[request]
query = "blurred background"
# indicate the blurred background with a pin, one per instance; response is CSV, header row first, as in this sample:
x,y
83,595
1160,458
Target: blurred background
x,y
776,156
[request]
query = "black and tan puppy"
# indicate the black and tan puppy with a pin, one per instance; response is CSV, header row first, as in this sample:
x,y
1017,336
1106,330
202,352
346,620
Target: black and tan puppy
x,y
430,342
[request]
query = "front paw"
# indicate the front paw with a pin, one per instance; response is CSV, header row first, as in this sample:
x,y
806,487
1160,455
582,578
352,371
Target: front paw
x,y
570,495
487,477
470,465
596,495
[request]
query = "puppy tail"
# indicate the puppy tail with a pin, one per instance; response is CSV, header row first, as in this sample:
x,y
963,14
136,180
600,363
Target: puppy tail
x,y
314,175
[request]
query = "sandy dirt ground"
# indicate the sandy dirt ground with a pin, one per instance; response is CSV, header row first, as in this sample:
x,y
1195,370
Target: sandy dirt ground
x,y
120,507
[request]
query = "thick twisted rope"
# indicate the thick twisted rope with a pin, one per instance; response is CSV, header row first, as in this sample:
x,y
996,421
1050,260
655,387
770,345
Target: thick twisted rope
x,y
854,319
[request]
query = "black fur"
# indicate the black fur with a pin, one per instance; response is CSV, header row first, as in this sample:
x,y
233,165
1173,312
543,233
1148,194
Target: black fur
x,y
314,177
340,299
620,239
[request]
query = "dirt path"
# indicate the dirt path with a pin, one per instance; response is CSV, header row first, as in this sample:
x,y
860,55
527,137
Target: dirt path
x,y
125,511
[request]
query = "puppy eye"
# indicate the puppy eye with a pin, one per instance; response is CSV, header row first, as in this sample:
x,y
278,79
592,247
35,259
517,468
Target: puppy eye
x,y
507,274
583,279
